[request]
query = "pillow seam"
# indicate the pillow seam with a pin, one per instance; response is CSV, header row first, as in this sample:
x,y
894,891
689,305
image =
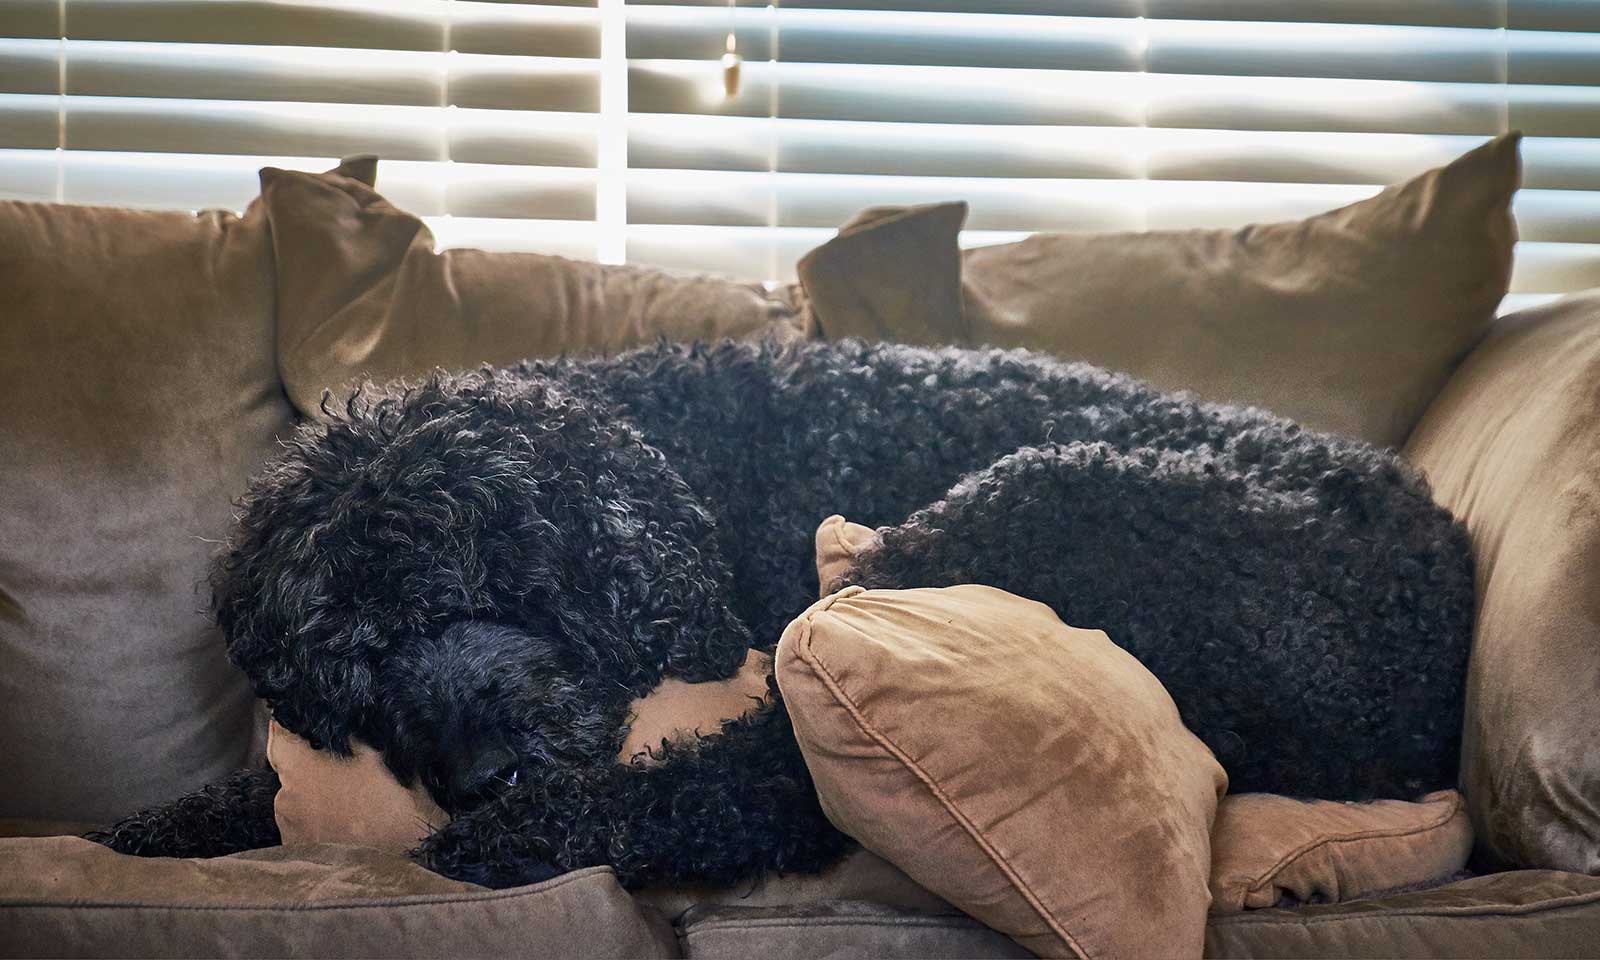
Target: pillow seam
x,y
840,697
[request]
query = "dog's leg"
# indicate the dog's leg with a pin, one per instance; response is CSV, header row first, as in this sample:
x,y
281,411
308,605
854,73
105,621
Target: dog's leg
x,y
719,810
228,816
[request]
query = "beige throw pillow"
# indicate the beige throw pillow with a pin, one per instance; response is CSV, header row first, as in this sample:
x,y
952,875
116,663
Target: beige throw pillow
x,y
1349,321
362,292
1031,773
1265,848
839,542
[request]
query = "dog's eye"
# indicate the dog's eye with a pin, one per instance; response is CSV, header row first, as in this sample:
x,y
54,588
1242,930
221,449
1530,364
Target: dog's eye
x,y
511,780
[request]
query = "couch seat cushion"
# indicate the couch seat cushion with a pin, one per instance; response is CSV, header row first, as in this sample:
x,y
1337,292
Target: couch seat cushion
x,y
1528,913
1522,913
68,897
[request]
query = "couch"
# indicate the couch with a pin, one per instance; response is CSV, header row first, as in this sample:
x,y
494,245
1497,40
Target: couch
x,y
149,361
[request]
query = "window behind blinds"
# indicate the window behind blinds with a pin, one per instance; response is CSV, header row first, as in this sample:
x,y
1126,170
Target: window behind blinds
x,y
601,129
486,112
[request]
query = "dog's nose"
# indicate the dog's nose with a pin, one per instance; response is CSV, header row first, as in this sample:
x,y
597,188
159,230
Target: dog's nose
x,y
473,782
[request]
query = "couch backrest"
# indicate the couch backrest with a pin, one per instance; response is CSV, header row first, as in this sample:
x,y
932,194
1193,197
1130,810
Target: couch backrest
x,y
138,392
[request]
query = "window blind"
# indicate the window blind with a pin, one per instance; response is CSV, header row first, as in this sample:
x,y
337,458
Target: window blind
x,y
602,129
486,115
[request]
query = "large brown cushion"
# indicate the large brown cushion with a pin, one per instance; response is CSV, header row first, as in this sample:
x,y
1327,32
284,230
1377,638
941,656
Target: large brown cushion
x,y
64,897
1032,774
138,392
1349,321
1512,447
363,293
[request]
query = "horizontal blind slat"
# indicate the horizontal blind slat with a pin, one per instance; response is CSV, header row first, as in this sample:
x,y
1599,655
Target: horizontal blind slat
x,y
327,129
924,94
217,71
399,25
201,181
1429,13
1553,15
1541,267
1073,8
31,18
30,66
29,121
472,26
29,174
989,150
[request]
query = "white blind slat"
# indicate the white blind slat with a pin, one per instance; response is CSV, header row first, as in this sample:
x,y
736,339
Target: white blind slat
x,y
29,174
31,18
1544,267
931,94
423,25
29,121
1043,114
395,25
323,129
1554,15
30,66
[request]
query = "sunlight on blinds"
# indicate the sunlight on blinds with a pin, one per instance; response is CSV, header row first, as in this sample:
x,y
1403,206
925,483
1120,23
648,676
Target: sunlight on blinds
x,y
601,128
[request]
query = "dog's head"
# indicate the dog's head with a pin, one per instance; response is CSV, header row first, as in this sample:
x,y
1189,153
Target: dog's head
x,y
475,708
483,497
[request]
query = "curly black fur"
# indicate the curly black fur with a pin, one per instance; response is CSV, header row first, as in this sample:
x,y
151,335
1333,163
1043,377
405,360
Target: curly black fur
x,y
477,574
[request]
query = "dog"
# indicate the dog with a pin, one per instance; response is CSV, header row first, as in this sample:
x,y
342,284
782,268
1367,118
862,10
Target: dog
x,y
477,574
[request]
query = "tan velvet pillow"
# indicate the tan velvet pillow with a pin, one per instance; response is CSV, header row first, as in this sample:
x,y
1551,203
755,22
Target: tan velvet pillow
x,y
138,393
362,292
839,542
1512,447
1265,848
325,798
1349,321
1031,773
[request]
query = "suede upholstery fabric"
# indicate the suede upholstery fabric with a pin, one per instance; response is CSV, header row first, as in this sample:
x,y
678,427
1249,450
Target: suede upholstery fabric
x,y
71,898
1528,913
138,392
1349,321
851,280
1524,913
677,710
838,543
326,798
1032,774
1512,447
362,293
838,929
1265,848
861,876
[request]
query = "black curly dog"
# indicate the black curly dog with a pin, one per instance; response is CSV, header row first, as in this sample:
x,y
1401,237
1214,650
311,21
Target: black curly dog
x,y
478,574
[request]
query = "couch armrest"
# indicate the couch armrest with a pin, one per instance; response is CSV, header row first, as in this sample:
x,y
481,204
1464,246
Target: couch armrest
x,y
1512,447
